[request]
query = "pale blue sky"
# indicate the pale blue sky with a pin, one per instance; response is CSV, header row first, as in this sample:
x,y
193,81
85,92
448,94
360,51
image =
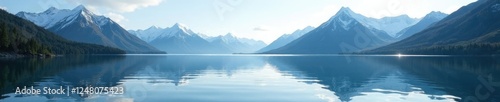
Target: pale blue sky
x,y
259,19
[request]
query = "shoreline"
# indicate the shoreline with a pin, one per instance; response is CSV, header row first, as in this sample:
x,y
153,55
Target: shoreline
x,y
16,55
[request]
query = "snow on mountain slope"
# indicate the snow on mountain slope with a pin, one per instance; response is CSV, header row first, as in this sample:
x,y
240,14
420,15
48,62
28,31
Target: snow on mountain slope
x,y
177,39
185,36
154,32
206,37
228,38
81,25
53,16
237,45
148,34
391,25
340,34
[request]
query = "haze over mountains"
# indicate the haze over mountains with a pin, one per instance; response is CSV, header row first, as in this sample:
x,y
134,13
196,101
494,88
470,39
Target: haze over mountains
x,y
180,39
81,25
235,44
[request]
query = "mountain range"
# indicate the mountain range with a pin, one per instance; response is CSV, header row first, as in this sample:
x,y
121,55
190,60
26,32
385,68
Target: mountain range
x,y
427,21
81,25
472,29
180,39
19,36
340,34
390,25
235,44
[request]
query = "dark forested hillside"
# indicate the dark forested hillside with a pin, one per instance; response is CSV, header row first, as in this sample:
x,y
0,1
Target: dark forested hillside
x,y
23,37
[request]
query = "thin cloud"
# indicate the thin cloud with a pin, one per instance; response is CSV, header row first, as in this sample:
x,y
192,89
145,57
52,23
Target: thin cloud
x,y
119,5
116,17
261,28
115,8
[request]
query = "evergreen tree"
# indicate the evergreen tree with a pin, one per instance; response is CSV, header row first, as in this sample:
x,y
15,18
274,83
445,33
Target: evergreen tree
x,y
4,40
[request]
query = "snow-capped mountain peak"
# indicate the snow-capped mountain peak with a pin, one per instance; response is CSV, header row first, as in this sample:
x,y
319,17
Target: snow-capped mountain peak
x,y
177,30
343,13
81,25
235,44
229,35
345,10
179,25
80,8
183,28
53,16
149,34
91,17
228,38
51,10
180,39
344,18
154,28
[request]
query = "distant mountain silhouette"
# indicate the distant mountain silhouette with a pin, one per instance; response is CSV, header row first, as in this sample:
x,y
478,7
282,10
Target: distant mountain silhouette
x,y
237,45
427,21
180,39
285,39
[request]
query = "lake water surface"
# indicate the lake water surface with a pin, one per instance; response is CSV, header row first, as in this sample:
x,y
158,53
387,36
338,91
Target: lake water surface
x,y
257,78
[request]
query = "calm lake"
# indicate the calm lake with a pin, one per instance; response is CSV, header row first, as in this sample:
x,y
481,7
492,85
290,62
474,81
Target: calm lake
x,y
256,78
